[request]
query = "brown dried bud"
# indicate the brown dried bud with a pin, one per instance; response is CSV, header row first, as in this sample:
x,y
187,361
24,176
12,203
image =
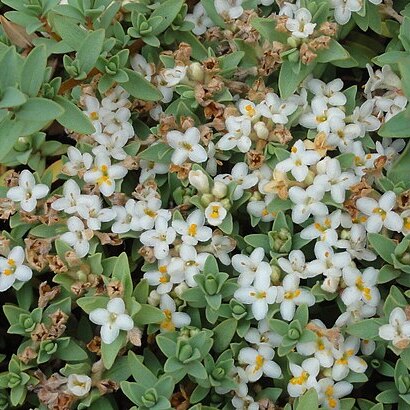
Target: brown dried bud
x,y
254,159
94,345
47,293
147,253
115,289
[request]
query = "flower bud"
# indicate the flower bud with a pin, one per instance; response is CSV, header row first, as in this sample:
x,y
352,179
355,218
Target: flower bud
x,y
211,286
330,284
185,353
180,289
219,190
309,178
275,275
218,373
206,199
199,180
195,72
22,144
154,298
261,130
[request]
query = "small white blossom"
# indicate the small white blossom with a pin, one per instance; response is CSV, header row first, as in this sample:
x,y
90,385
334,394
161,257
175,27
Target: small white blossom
x,y
300,25
186,146
193,230
78,384
237,136
27,192
330,92
71,196
173,319
304,376
380,212
330,392
230,8
112,319
397,330
90,209
77,162
12,268
344,8
215,213
78,236
276,109
200,19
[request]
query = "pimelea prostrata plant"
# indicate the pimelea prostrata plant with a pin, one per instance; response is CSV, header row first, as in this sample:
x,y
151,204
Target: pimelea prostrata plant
x,y
205,204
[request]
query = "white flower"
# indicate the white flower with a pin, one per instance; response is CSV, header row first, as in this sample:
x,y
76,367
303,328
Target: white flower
x,y
215,213
360,286
354,313
330,392
307,202
111,145
298,162
263,335
321,348
189,262
27,192
276,109
380,212
293,296
385,79
141,65
199,180
346,359
221,245
112,319
391,106
173,76
77,161
328,262
397,330
304,376
319,117
104,174
200,19
90,208
78,236
149,169
259,209
244,403
115,98
230,8
260,295
324,228
362,160
159,238
148,210
68,203
163,278
78,384
259,362
173,319
363,117
295,264
239,175
300,26
193,230
248,109
344,8
12,269
126,218
238,129
330,92
356,244
331,178
94,111
341,134
249,267
186,146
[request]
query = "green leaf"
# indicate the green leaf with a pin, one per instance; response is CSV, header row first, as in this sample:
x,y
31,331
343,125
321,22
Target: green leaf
x,y
12,97
308,401
90,49
334,52
224,333
209,6
168,11
148,314
39,110
400,167
383,246
139,371
110,352
140,88
32,73
159,152
71,33
398,126
267,29
365,329
73,118
289,80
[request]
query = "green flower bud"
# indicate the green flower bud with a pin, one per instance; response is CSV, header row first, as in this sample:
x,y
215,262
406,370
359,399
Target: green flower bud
x,y
49,347
275,275
22,144
293,334
185,353
218,373
211,285
14,380
293,42
81,275
150,398
196,73
278,240
206,199
226,203
145,28
237,308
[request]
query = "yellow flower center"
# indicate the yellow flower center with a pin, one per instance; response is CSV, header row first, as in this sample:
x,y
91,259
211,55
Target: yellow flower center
x,y
94,116
215,212
381,212
302,379
250,110
192,229
259,362
150,213
292,295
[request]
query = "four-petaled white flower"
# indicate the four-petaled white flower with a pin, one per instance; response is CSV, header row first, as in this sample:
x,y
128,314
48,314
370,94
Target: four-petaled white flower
x,y
380,212
173,319
276,109
259,362
112,319
300,25
27,192
12,269
215,213
78,384
200,19
304,376
193,230
397,330
186,146
237,136
78,236
299,161
104,174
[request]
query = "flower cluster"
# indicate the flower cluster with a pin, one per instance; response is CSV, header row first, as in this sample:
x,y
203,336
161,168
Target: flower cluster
x,y
205,204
